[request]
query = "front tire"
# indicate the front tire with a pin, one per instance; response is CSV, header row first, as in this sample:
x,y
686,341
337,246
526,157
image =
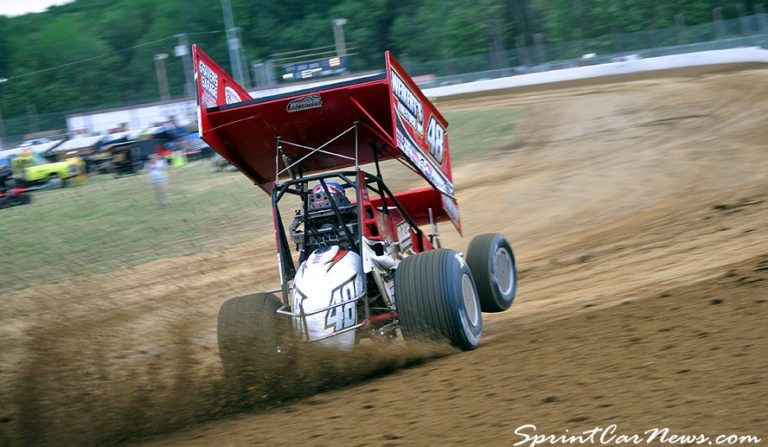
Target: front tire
x,y
249,330
492,261
55,181
437,300
22,199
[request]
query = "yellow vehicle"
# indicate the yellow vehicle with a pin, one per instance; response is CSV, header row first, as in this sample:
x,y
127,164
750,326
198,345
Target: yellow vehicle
x,y
35,170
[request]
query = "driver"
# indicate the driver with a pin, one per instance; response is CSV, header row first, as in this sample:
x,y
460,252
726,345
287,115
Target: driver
x,y
319,200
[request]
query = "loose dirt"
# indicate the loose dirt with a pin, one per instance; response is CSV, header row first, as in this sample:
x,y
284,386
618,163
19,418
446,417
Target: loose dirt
x,y
638,211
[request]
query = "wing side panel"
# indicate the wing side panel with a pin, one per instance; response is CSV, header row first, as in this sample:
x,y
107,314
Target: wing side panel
x,y
421,134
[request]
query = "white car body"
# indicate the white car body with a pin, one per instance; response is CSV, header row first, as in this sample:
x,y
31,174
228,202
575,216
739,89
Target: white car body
x,y
328,278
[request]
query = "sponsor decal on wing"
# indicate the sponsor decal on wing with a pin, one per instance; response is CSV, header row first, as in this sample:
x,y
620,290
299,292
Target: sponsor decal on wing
x,y
210,82
436,140
423,163
305,103
450,206
409,105
231,96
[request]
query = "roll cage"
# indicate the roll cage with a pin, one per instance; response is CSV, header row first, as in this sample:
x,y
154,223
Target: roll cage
x,y
351,226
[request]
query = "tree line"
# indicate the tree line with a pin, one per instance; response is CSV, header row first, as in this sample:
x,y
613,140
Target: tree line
x,y
92,54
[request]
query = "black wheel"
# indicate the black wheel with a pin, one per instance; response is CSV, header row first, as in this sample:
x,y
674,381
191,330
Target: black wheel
x,y
55,181
436,299
492,261
23,199
249,333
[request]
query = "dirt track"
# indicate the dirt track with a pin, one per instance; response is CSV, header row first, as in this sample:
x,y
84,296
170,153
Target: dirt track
x,y
639,214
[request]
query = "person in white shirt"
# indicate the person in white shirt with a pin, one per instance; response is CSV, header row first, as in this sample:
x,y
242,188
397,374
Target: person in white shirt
x,y
157,168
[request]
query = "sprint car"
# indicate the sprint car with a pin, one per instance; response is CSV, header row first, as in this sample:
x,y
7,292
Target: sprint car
x,y
353,260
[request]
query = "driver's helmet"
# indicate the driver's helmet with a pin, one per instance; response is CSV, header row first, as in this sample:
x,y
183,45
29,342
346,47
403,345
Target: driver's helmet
x,y
318,198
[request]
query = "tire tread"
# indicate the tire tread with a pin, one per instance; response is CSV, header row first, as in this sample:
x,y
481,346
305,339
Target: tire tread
x,y
425,286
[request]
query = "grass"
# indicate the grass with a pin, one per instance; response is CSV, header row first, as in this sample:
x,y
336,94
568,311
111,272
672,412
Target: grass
x,y
481,130
111,223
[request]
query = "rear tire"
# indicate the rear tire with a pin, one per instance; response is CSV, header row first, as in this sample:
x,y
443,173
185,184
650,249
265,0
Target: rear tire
x,y
437,300
249,329
492,261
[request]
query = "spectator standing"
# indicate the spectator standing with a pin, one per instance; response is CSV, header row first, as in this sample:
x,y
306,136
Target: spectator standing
x,y
157,168
74,159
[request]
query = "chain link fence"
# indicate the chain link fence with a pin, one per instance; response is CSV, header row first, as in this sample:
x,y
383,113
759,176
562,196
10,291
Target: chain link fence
x,y
751,31
32,125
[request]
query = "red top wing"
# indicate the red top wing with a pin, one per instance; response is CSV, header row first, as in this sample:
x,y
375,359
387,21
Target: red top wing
x,y
312,118
393,114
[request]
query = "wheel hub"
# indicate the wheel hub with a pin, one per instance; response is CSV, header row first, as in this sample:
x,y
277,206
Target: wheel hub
x,y
470,300
502,270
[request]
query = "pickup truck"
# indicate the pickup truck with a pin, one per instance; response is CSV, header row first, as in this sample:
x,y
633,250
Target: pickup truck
x,y
35,170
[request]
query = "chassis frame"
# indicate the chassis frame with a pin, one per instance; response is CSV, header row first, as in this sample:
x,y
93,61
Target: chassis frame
x,y
381,320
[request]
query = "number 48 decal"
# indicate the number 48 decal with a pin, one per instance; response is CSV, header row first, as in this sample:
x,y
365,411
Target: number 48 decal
x,y
436,140
345,315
